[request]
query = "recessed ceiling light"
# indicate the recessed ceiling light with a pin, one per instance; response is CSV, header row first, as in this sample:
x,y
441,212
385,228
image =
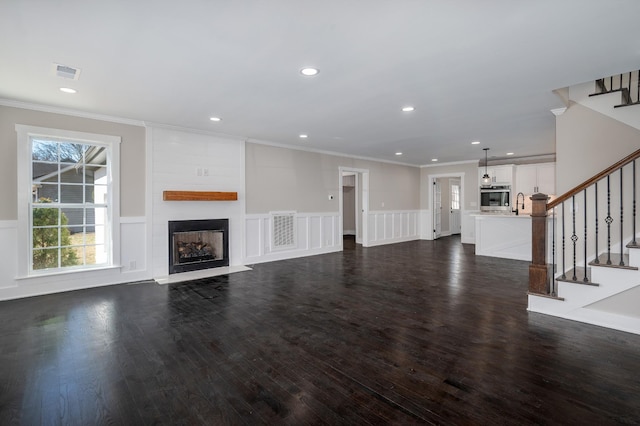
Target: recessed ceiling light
x,y
68,90
509,153
475,143
309,71
408,109
398,153
434,159
215,119
303,136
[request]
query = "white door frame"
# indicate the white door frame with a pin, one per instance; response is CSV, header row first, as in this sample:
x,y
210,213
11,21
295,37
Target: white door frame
x,y
454,230
362,193
436,198
431,179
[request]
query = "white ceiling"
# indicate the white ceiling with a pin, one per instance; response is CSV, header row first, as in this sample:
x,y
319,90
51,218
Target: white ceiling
x,y
474,70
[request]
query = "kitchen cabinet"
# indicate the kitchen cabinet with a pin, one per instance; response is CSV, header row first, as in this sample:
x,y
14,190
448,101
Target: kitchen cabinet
x,y
534,178
500,175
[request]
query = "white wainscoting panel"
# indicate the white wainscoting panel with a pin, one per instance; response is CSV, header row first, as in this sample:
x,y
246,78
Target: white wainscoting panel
x,y
318,233
329,227
8,254
133,255
303,235
314,231
132,265
388,227
426,227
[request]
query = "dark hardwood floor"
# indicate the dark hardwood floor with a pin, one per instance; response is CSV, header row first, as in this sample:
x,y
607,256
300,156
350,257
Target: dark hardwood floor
x,y
422,332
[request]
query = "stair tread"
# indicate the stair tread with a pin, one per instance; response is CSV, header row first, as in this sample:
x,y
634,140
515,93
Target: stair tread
x,y
625,105
606,93
579,277
548,296
615,262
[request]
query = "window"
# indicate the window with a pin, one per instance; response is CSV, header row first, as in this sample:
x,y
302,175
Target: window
x,y
70,217
455,197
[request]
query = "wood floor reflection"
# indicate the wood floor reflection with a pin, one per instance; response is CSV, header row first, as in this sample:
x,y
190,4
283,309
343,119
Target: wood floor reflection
x,y
423,332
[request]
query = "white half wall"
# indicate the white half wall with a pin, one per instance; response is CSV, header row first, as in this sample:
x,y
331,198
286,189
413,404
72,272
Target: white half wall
x,y
508,237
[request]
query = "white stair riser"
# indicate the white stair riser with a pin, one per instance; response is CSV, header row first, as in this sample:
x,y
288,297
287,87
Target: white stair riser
x,y
578,295
544,305
603,275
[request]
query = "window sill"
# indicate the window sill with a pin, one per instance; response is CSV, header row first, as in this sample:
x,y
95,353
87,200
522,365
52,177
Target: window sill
x,y
63,273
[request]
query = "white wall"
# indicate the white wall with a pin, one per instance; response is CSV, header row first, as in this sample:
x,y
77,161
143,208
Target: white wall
x,y
588,142
181,160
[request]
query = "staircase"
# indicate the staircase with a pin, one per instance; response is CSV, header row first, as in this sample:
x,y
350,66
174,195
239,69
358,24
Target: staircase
x,y
627,84
586,250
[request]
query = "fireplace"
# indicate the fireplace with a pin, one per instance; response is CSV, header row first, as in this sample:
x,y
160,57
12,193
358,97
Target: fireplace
x,y
198,244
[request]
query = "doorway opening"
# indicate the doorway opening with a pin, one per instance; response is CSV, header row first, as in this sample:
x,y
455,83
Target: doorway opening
x,y
353,206
446,197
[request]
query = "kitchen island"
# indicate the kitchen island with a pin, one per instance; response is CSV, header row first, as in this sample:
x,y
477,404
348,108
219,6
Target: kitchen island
x,y
505,235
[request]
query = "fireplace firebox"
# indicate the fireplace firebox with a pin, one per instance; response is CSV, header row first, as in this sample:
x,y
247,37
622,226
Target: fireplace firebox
x,y
198,244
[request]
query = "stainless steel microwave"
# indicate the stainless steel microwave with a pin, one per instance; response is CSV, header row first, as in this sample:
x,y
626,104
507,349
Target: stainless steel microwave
x,y
495,198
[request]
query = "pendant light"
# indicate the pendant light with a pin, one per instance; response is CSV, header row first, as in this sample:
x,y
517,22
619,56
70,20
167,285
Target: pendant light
x,y
486,179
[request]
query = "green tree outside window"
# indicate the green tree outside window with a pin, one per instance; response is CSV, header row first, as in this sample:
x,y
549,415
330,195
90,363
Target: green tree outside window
x,y
45,240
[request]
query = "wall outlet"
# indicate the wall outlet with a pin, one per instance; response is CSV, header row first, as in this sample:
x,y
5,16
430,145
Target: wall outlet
x,y
205,172
132,265
198,171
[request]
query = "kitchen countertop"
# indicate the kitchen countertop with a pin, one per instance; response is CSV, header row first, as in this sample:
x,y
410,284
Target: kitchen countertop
x,y
502,215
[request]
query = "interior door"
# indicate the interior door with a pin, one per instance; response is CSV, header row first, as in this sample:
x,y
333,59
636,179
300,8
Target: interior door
x,y
454,215
437,209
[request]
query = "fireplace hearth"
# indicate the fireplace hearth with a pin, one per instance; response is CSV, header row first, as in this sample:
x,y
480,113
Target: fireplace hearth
x,y
198,244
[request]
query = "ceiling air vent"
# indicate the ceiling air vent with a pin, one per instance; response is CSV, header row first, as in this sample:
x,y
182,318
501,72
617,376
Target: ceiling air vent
x,y
64,71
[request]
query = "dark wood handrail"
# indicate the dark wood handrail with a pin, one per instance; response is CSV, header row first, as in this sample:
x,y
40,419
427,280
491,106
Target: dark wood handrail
x,y
587,183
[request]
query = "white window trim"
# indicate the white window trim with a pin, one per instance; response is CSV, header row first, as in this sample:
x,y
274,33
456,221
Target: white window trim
x,y
24,193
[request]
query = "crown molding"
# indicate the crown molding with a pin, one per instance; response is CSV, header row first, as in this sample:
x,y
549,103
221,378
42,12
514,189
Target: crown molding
x,y
68,111
320,151
528,159
152,125
452,163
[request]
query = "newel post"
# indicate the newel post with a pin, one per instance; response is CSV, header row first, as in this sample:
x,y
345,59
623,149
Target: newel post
x,y
538,279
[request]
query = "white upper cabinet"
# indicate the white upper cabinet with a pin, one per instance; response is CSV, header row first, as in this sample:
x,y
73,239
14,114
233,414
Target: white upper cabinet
x,y
536,178
547,178
500,175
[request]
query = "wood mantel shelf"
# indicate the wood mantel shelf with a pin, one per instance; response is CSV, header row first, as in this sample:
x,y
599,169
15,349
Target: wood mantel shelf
x,y
199,196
